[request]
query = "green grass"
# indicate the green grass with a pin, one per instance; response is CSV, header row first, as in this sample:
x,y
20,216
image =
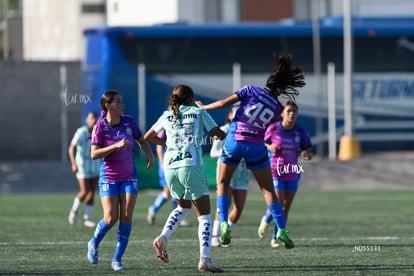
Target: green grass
x,y
336,233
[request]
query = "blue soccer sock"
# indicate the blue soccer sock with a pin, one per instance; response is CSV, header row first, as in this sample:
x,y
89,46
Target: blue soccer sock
x,y
223,207
100,231
124,230
159,201
278,215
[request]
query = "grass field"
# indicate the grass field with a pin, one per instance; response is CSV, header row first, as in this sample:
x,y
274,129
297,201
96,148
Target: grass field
x,y
339,232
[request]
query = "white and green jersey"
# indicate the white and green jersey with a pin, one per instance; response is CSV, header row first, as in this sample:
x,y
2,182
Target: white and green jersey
x,y
185,135
87,168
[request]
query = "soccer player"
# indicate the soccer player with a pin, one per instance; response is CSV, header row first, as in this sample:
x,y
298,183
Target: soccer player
x,y
239,184
86,170
185,124
286,141
165,194
113,139
259,107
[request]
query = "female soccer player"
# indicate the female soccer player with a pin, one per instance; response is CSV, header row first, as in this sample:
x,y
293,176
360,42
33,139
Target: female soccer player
x,y
113,139
185,124
285,141
86,170
259,107
165,194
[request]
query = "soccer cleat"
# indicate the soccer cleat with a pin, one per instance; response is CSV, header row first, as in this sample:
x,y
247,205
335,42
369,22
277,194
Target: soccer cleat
x,y
215,241
262,228
205,264
274,243
283,236
88,223
160,244
72,218
92,253
117,265
150,216
225,233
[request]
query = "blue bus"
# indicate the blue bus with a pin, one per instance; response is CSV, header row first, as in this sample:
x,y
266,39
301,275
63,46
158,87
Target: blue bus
x,y
203,56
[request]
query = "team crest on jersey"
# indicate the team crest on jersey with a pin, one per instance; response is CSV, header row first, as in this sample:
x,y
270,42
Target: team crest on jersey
x,y
297,138
129,131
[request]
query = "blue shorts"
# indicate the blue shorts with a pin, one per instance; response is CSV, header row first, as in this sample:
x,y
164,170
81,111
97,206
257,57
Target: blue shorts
x,y
255,155
287,185
107,188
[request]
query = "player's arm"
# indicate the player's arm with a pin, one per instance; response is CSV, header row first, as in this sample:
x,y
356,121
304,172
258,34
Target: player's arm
x,y
234,98
98,152
72,153
151,136
148,152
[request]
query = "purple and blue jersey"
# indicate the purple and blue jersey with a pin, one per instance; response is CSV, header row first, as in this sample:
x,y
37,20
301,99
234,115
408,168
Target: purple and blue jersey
x,y
289,142
258,109
119,165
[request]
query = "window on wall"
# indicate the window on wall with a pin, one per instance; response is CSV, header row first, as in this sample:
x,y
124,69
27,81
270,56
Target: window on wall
x,y
212,10
94,8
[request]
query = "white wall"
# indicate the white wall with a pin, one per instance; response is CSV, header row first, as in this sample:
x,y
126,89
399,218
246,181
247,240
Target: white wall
x,y
375,7
51,30
141,12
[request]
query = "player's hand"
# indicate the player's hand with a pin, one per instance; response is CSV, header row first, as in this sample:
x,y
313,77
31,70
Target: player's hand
x,y
199,104
124,143
306,155
272,148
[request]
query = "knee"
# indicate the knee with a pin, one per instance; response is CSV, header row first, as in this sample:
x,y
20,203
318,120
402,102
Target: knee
x,y
126,217
110,220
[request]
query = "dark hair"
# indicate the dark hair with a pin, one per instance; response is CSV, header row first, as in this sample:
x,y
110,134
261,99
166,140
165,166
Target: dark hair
x,y
291,103
285,79
181,94
107,97
94,114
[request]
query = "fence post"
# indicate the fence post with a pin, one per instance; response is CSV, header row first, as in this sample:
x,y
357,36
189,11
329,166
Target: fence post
x,y
63,113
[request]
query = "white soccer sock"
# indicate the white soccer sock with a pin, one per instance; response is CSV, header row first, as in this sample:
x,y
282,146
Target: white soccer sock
x,y
76,204
88,212
204,235
216,228
174,219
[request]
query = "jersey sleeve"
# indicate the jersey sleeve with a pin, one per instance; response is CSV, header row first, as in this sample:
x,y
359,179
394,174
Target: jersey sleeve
x,y
268,134
305,141
77,137
208,121
97,135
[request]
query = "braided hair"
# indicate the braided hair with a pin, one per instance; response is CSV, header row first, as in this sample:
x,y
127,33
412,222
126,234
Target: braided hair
x,y
181,95
285,79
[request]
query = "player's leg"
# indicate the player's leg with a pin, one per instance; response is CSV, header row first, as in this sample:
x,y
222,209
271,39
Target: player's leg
x,y
78,200
128,198
263,176
91,185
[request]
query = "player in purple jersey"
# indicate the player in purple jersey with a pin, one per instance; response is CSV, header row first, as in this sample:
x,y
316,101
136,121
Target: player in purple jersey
x,y
259,107
286,141
113,140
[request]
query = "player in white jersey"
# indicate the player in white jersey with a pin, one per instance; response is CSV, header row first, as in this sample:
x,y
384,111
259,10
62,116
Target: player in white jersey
x,y
86,170
185,126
